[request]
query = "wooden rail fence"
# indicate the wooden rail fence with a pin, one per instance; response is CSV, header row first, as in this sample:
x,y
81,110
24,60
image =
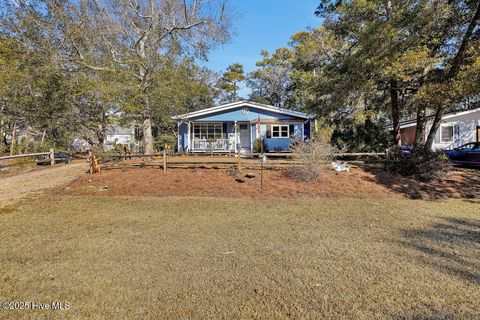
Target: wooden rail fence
x,y
51,155
242,161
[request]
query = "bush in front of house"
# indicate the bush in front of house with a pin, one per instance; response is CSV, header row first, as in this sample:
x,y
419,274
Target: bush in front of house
x,y
314,156
257,146
421,164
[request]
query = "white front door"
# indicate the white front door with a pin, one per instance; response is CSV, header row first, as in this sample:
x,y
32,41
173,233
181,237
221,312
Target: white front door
x,y
244,129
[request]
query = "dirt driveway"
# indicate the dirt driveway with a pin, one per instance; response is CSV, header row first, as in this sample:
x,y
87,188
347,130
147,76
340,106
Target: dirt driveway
x,y
26,183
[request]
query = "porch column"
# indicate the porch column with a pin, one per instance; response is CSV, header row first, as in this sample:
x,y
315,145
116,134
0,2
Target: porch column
x,y
251,136
236,136
316,126
179,137
189,139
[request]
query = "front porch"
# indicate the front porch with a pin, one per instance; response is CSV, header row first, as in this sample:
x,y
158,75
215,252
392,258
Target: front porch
x,y
220,137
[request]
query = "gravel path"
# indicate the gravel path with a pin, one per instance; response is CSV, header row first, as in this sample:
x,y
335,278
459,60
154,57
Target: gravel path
x,y
24,184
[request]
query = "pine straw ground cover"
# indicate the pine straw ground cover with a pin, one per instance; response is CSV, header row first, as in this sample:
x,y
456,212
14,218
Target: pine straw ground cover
x,y
204,258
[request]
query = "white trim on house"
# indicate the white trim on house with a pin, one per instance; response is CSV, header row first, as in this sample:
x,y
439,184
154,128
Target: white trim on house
x,y
233,105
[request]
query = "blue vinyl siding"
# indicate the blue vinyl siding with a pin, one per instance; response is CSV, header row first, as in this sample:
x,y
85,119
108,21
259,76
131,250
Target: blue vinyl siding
x,y
280,144
277,144
238,115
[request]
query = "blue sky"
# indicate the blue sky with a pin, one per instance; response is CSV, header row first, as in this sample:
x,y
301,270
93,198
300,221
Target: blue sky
x,y
262,25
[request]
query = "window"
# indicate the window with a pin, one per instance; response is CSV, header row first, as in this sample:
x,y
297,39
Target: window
x,y
280,131
208,130
446,134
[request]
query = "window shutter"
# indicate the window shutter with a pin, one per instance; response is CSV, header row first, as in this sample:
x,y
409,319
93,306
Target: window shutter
x,y
456,133
269,132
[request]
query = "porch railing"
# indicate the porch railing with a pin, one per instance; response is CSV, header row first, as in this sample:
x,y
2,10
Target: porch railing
x,y
214,145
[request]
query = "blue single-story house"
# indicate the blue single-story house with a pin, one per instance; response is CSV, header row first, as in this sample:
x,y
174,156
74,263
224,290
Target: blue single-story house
x,y
232,128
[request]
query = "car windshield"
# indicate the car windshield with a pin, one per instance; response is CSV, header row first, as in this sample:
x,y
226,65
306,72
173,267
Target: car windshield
x,y
476,146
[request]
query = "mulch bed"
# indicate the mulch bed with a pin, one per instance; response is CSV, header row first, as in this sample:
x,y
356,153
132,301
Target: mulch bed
x,y
461,183
220,183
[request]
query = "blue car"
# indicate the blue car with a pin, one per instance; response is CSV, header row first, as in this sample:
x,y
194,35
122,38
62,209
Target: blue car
x,y
468,154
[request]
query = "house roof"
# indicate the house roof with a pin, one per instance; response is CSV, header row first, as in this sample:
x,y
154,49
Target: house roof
x,y
237,104
413,122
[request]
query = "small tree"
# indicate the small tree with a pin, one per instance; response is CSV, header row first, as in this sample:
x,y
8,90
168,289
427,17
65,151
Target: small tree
x,y
229,83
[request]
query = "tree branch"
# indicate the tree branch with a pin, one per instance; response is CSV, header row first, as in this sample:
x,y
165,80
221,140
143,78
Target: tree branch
x,y
138,13
458,59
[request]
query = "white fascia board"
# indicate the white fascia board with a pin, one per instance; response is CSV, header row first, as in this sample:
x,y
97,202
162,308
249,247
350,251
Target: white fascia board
x,y
243,103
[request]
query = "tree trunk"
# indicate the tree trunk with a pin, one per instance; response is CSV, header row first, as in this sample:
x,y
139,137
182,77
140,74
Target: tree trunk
x,y
147,136
27,137
420,128
395,111
2,132
43,137
147,123
12,143
101,133
452,73
435,125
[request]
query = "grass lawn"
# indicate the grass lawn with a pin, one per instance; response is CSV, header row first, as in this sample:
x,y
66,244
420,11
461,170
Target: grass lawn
x,y
125,258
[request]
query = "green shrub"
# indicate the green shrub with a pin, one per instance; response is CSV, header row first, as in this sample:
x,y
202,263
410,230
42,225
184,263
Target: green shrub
x,y
364,137
421,164
257,146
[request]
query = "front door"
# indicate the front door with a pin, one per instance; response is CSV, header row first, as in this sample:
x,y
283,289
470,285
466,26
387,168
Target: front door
x,y
244,129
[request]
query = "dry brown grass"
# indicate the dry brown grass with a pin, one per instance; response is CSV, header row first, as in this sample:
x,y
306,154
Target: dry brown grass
x,y
151,258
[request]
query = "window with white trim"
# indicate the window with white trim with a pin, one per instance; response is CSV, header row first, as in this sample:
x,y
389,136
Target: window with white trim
x,y
280,131
446,134
208,130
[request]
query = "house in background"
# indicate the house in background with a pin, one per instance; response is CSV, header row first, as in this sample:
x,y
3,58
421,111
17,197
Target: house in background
x,y
233,127
125,136
456,129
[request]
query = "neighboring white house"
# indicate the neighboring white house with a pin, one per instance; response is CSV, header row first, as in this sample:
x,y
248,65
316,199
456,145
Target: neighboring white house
x,y
121,135
456,129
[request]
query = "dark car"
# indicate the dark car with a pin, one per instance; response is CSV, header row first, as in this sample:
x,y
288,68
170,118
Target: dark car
x,y
406,150
59,158
467,154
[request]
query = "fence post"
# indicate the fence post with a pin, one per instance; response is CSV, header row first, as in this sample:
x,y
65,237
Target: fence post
x,y
52,157
90,162
239,164
165,158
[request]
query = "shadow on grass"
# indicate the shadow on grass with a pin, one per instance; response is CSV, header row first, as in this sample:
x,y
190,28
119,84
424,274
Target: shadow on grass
x,y
435,315
452,247
460,183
